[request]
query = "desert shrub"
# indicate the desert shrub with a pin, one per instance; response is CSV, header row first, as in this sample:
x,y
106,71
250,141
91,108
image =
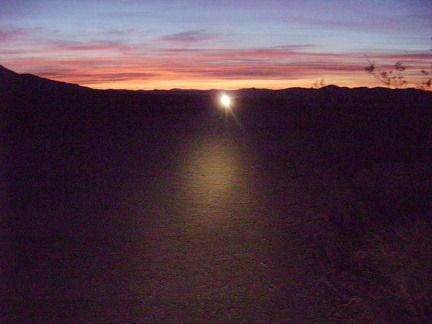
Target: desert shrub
x,y
392,78
379,241
426,81
397,262
318,84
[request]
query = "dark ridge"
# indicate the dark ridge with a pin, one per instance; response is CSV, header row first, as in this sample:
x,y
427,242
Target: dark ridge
x,y
23,83
7,78
29,82
5,72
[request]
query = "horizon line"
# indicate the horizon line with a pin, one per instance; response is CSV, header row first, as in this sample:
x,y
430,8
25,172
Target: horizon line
x,y
218,89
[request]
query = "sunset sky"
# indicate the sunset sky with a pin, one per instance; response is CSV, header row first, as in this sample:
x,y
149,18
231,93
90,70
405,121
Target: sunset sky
x,y
204,44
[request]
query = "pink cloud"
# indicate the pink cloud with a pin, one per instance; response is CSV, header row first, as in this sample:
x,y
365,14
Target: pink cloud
x,y
11,35
88,46
109,68
191,36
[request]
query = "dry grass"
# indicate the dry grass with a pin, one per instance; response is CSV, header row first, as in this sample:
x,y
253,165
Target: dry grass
x,y
380,242
397,261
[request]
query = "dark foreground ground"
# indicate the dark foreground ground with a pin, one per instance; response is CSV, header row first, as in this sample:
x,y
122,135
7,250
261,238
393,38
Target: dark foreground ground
x,y
140,208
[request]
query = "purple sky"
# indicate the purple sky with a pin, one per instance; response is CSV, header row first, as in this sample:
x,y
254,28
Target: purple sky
x,y
214,44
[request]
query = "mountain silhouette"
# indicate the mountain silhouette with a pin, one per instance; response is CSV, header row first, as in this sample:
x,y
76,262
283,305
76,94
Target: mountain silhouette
x,y
5,72
41,107
12,82
29,82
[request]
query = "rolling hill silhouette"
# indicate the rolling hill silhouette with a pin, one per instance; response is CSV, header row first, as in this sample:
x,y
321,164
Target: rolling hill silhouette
x,y
365,126
41,107
346,129
29,82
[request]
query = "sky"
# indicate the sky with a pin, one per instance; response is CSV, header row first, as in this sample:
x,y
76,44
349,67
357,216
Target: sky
x,y
214,44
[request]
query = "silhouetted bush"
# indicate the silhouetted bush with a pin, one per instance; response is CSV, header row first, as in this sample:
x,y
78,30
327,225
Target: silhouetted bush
x,y
394,78
385,259
391,78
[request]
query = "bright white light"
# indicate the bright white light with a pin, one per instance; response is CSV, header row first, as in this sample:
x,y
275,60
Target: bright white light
x,y
225,101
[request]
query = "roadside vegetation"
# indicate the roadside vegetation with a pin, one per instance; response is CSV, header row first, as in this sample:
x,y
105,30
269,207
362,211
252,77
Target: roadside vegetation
x,y
395,77
379,244
380,224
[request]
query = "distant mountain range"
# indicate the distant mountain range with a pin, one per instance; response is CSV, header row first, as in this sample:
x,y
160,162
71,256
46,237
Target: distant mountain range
x,y
10,79
18,86
27,94
378,120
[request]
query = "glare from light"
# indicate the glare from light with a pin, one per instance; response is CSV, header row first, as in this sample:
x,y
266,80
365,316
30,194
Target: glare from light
x,y
225,101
